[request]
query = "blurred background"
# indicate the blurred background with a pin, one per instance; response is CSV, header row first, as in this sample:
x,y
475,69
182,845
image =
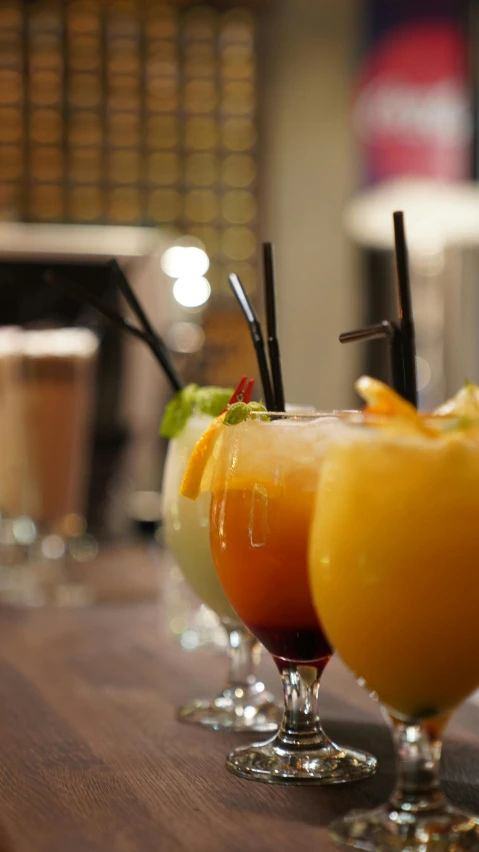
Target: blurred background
x,y
137,129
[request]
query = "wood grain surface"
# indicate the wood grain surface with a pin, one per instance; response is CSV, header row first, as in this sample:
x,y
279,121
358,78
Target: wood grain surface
x,y
91,757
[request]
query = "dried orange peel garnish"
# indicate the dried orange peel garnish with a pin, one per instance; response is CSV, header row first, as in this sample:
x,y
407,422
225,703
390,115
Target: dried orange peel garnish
x,y
388,410
380,399
386,407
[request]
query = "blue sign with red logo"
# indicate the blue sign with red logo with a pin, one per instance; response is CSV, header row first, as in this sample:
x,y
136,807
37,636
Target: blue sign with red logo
x,y
411,110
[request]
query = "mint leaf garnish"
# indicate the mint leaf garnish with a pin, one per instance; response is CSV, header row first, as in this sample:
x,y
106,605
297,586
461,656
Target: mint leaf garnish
x,y
237,413
212,400
257,408
209,400
177,412
241,411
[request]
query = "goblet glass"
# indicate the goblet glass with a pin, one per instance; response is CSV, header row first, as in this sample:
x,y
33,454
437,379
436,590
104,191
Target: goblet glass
x,y
263,487
394,546
243,703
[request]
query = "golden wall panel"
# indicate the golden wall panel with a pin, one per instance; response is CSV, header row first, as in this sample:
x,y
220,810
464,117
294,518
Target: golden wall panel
x,y
133,111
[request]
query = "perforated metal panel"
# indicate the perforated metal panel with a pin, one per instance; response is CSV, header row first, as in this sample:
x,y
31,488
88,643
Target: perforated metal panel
x,y
133,112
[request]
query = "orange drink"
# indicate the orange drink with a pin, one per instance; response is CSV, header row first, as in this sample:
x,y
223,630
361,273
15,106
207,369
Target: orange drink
x,y
264,572
262,493
393,553
399,593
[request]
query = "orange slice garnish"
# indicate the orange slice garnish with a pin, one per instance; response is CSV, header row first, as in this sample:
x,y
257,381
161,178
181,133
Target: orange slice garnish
x,y
380,399
388,410
192,484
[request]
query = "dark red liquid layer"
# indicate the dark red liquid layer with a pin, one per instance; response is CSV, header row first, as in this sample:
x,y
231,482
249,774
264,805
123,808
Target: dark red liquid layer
x,y
297,646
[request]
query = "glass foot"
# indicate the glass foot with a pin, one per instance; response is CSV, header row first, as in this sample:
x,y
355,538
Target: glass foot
x,y
232,712
446,830
273,763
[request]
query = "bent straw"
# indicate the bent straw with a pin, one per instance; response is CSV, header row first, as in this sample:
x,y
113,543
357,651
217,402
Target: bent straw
x,y
406,319
392,333
82,295
126,289
273,345
257,337
131,298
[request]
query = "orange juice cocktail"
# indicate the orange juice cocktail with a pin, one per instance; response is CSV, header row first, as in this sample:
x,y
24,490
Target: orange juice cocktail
x,y
262,493
394,574
261,508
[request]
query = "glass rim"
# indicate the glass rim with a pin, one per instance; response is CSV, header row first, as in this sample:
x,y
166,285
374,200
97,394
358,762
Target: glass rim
x,y
339,413
352,416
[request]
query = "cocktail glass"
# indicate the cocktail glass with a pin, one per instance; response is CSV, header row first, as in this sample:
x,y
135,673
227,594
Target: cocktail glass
x,y
263,487
394,545
244,703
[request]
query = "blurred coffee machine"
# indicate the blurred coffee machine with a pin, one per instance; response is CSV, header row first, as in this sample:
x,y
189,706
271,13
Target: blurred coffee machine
x,y
130,389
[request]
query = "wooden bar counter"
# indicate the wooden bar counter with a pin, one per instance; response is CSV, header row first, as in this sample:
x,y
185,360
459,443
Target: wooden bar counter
x,y
93,760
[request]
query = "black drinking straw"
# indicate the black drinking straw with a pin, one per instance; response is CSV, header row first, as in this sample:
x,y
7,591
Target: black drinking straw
x,y
406,319
273,345
132,300
82,295
125,287
257,337
391,332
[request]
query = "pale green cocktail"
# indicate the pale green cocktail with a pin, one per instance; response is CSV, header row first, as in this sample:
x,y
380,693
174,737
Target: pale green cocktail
x,y
244,704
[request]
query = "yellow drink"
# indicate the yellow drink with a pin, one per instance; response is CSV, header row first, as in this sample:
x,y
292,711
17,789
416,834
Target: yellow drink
x,y
394,553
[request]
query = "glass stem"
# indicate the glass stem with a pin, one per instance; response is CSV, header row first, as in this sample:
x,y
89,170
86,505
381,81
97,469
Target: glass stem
x,y
244,653
418,749
301,725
